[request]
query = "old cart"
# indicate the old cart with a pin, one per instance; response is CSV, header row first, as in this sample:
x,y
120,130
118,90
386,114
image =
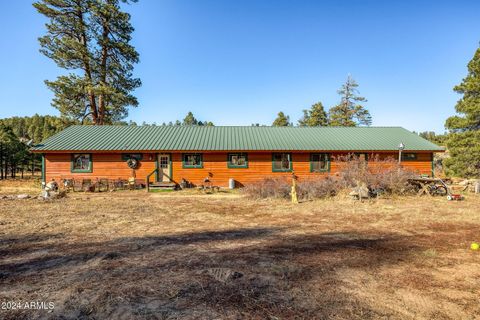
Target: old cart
x,y
431,186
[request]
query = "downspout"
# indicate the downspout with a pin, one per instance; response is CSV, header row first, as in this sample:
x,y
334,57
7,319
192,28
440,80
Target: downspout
x,y
433,166
156,168
43,170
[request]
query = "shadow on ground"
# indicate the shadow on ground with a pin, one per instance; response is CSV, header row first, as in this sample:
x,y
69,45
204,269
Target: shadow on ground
x,y
235,274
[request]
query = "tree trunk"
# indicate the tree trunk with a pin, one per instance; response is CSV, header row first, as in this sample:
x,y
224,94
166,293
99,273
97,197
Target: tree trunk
x,y
33,164
5,171
1,161
103,71
101,109
87,68
93,107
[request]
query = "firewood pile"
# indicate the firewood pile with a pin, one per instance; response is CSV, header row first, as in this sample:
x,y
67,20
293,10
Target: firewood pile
x,y
470,185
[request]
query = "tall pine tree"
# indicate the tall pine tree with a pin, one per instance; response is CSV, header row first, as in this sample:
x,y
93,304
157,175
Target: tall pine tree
x,y
190,120
92,39
315,117
349,112
282,120
464,141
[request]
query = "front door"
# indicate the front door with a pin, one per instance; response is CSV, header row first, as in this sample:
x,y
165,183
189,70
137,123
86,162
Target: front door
x,y
164,168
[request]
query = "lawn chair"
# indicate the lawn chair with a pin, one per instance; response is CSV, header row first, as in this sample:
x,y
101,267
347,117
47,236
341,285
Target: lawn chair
x,y
87,185
77,185
102,185
119,184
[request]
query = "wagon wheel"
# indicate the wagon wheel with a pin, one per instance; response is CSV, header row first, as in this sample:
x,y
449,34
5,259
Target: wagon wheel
x,y
415,186
424,188
438,190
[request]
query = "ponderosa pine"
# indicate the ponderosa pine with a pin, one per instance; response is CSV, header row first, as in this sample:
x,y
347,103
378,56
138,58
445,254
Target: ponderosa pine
x,y
463,142
349,112
91,38
314,117
282,120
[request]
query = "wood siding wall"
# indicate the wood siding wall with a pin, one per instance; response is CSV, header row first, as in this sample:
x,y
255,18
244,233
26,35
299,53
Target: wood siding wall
x,y
111,166
107,165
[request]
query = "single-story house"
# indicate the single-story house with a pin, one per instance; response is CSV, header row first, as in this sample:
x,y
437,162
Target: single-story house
x,y
169,154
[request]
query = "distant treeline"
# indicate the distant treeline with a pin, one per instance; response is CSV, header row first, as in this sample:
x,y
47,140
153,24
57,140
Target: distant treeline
x,y
439,139
14,154
35,128
17,134
189,120
38,128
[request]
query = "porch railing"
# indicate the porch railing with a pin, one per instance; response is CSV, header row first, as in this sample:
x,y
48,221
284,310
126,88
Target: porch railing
x,y
159,172
148,178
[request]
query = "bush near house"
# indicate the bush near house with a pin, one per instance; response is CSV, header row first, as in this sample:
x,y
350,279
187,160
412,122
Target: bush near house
x,y
384,176
268,188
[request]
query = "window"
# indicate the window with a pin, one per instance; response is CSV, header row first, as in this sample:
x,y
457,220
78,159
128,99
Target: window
x,y
362,156
319,162
136,156
237,160
163,162
81,162
357,156
281,162
192,160
409,156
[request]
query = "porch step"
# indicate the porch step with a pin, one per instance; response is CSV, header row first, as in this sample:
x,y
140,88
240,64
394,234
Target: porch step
x,y
161,189
162,185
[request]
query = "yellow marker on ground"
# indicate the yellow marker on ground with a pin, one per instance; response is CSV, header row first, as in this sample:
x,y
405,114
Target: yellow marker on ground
x,y
474,246
294,189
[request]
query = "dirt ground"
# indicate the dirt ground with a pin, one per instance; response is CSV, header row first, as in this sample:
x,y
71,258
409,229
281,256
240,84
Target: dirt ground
x,y
186,255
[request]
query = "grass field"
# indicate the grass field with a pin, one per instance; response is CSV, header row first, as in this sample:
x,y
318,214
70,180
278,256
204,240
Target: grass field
x,y
186,255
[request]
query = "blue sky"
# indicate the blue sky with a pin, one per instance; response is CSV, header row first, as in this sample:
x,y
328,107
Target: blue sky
x,y
240,62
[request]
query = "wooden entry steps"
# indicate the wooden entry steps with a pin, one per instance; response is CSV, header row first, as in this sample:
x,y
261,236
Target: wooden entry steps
x,y
159,185
162,185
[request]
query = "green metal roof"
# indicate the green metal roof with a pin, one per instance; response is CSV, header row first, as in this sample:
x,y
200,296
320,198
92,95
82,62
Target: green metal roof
x,y
192,138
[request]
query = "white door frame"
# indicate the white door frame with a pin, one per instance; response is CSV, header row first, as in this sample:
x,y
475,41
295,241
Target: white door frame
x,y
164,167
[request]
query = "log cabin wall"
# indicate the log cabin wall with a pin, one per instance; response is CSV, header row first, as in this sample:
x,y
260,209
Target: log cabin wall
x,y
260,166
112,166
104,165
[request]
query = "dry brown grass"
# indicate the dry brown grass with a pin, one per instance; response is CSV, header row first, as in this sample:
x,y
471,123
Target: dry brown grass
x,y
132,255
17,186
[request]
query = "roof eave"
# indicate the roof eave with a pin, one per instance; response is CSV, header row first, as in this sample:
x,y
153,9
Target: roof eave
x,y
230,150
